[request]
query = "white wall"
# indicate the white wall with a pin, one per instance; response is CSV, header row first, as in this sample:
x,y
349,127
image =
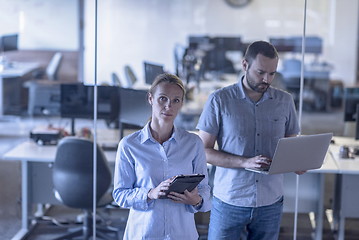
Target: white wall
x,y
343,51
133,31
51,24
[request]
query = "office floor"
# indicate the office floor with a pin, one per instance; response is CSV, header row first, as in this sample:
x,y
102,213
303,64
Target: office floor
x,y
16,130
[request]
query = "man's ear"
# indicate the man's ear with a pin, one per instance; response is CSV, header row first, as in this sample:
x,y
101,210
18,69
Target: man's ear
x,y
245,64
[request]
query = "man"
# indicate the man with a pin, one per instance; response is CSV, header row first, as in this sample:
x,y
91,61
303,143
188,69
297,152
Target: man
x,y
247,119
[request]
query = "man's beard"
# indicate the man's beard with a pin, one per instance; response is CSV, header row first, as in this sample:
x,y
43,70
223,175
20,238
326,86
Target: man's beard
x,y
257,87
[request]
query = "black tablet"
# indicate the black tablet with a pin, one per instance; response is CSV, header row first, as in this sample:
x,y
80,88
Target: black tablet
x,y
182,182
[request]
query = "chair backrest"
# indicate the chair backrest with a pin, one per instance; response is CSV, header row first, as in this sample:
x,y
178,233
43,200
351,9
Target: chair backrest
x,y
130,77
116,81
134,107
53,67
73,172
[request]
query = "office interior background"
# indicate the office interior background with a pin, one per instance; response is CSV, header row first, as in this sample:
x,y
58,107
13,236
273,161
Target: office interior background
x,y
177,35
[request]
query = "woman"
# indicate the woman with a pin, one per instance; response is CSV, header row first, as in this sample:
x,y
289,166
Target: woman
x,y
146,162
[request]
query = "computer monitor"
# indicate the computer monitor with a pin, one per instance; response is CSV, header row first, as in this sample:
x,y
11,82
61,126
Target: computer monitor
x,y
313,44
44,99
351,103
282,44
195,42
77,101
9,42
152,71
135,111
227,43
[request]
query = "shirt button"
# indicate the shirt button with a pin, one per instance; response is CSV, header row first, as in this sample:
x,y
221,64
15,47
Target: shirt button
x,y
256,180
257,134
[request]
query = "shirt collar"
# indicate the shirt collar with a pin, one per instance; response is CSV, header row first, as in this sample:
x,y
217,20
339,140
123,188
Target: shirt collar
x,y
146,134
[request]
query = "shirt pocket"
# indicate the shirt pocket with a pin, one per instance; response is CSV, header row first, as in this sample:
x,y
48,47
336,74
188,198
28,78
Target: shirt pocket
x,y
239,127
277,126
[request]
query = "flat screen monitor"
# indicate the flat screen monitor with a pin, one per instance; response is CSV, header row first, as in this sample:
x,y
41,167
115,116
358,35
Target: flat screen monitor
x,y
152,71
134,107
77,101
8,42
313,44
195,42
227,43
283,44
351,102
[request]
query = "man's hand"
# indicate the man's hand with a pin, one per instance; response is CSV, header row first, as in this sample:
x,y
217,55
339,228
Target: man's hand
x,y
257,162
300,172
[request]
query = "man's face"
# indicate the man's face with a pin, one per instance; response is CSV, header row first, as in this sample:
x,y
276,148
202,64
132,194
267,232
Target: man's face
x,y
260,74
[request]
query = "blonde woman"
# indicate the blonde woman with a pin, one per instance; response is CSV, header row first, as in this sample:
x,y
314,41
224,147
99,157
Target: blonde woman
x,y
146,162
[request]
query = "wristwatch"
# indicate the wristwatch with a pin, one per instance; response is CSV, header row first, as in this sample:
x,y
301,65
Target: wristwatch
x,y
199,204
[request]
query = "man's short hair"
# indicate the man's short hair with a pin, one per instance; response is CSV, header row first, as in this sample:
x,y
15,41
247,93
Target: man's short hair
x,y
260,47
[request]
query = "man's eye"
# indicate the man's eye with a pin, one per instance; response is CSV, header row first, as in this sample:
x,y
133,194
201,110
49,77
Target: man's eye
x,y
163,98
177,100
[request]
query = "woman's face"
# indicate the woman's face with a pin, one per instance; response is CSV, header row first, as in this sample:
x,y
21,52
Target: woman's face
x,y
166,101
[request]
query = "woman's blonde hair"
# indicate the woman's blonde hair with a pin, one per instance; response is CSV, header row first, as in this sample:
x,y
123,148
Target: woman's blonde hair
x,y
167,78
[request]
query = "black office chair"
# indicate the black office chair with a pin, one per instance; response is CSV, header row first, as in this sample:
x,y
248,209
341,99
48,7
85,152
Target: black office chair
x,y
73,178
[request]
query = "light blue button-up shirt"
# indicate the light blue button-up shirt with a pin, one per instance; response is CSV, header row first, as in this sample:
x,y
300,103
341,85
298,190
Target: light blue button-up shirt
x,y
246,128
141,164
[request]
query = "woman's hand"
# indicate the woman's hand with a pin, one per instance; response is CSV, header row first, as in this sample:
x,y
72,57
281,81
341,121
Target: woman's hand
x,y
159,191
190,198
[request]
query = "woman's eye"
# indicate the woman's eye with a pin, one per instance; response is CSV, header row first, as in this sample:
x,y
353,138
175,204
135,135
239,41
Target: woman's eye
x,y
163,98
177,100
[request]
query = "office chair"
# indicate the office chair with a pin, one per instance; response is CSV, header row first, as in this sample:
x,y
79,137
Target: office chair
x,y
131,78
135,111
116,81
72,179
52,69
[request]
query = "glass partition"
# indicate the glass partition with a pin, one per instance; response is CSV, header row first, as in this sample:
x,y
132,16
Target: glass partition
x,y
201,41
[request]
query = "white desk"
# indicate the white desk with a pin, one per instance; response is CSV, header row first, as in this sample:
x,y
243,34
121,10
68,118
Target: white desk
x,y
37,160
346,196
15,70
311,193
37,187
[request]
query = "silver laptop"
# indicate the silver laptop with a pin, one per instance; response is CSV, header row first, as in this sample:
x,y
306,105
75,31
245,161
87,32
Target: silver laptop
x,y
298,154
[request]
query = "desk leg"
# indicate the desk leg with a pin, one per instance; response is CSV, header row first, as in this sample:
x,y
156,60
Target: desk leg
x,y
25,196
1,97
319,214
341,231
24,203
